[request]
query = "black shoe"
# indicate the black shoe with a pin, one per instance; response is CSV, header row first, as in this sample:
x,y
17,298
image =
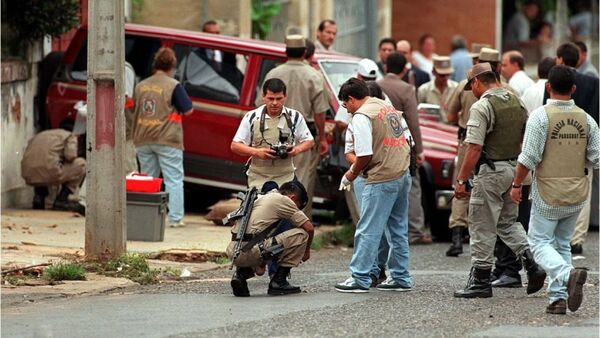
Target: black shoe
x,y
69,206
478,286
376,280
238,282
576,249
506,281
456,246
39,202
279,285
558,307
577,278
535,274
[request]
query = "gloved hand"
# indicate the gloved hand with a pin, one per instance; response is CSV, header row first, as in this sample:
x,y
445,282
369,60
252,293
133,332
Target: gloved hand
x,y
345,184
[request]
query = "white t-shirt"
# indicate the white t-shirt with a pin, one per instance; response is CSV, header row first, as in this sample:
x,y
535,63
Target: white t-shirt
x,y
243,134
520,82
363,135
533,97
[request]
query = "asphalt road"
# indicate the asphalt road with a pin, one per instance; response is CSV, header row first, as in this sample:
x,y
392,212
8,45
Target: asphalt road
x,y
204,307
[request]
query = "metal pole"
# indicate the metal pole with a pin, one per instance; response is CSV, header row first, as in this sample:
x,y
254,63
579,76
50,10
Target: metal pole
x,y
105,229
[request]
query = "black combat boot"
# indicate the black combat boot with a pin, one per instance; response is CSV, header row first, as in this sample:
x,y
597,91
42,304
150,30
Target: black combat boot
x,y
39,198
456,246
535,274
238,282
62,202
279,284
478,286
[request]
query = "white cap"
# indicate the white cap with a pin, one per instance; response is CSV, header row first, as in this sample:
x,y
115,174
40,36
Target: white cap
x,y
367,68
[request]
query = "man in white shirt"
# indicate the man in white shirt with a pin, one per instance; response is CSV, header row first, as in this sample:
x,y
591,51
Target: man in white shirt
x,y
533,97
267,128
513,64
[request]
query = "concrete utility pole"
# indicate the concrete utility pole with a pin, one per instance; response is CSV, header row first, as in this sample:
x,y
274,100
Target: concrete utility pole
x,y
105,229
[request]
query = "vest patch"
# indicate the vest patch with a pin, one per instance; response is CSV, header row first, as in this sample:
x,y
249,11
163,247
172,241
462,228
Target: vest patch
x,y
569,129
149,107
394,124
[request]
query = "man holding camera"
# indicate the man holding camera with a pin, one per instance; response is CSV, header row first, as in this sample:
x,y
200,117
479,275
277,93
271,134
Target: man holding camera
x,y
272,135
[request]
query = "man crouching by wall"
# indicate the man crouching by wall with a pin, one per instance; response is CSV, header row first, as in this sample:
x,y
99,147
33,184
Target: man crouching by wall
x,y
259,246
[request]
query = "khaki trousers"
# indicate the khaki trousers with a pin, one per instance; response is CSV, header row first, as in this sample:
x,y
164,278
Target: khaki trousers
x,y
583,220
306,171
459,213
294,245
72,176
130,164
416,216
491,213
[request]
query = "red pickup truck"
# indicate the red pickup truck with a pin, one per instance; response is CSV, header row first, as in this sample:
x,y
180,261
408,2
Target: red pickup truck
x,y
221,97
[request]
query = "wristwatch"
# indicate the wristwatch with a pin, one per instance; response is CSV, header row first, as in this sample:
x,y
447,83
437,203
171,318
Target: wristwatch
x,y
517,186
461,182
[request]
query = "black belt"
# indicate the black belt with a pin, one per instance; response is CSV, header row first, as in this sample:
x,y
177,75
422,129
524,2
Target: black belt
x,y
505,160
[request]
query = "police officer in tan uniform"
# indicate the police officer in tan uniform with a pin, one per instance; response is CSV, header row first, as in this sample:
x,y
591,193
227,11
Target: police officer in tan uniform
x,y
305,94
494,134
291,247
459,105
51,159
441,88
272,135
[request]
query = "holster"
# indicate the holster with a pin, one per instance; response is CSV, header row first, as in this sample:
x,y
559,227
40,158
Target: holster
x,y
270,253
412,168
484,159
462,133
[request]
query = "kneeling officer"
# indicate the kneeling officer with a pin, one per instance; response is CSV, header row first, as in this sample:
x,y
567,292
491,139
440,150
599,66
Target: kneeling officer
x,y
257,246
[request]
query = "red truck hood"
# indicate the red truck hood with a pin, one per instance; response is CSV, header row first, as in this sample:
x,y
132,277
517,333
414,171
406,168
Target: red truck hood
x,y
438,136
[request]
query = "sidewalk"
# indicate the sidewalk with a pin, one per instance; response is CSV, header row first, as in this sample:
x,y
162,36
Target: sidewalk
x,y
42,236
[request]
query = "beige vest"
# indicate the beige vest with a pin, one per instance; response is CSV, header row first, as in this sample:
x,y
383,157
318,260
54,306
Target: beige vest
x,y
560,175
278,170
42,162
156,121
391,152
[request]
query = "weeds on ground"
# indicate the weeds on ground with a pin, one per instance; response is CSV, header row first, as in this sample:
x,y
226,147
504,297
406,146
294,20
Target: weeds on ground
x,y
343,235
132,266
221,260
64,271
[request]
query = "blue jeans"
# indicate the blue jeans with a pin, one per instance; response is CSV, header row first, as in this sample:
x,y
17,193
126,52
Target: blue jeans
x,y
549,241
156,158
382,254
384,206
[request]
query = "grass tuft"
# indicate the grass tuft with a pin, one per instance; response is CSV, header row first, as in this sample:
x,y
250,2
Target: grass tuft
x,y
64,271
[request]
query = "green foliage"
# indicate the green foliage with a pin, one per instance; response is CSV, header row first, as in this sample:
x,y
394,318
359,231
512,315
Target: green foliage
x,y
132,266
65,271
344,235
262,14
221,260
33,19
136,8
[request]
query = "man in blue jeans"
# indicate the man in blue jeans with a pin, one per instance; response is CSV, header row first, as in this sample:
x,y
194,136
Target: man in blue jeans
x,y
559,138
160,103
383,157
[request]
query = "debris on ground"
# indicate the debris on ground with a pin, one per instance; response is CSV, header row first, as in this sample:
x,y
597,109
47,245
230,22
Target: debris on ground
x,y
220,210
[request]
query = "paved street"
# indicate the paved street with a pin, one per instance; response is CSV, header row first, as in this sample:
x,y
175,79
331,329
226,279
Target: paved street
x,y
205,307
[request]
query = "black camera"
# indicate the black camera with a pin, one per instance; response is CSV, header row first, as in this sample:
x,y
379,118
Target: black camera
x,y
281,148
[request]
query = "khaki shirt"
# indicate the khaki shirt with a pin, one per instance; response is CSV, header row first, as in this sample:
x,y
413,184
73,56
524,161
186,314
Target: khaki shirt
x,y
460,103
429,93
304,88
45,155
482,118
269,209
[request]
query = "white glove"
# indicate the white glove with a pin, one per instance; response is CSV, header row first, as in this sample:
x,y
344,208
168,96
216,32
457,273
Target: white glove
x,y
345,184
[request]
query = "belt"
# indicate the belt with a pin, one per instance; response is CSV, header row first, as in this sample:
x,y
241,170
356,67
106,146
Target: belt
x,y
246,238
505,160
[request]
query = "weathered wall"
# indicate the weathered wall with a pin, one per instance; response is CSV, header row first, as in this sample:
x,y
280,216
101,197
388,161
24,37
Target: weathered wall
x,y
474,19
19,85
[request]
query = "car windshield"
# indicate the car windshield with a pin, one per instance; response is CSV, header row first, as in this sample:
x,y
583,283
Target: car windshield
x,y
338,72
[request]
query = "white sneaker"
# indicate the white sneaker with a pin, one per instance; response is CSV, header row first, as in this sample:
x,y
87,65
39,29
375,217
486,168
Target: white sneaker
x,y
391,285
350,286
179,224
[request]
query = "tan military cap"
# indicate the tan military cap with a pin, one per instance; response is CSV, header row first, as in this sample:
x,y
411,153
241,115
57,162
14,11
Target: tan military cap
x,y
489,55
295,41
477,69
476,48
442,65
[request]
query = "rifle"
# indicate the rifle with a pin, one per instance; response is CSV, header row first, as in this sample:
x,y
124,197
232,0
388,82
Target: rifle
x,y
244,213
